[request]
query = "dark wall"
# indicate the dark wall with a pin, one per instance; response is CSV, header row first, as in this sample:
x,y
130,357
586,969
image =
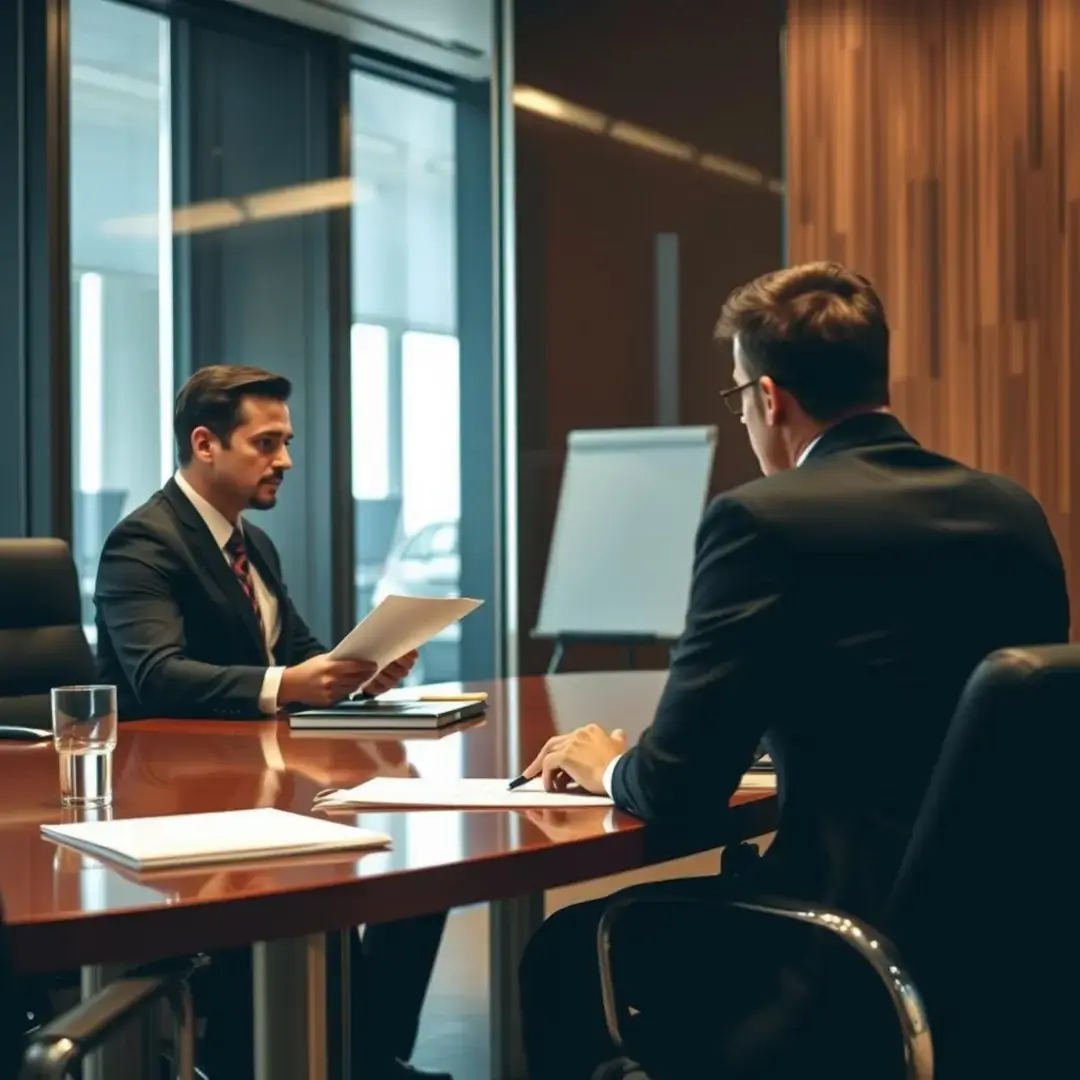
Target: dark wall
x,y
589,210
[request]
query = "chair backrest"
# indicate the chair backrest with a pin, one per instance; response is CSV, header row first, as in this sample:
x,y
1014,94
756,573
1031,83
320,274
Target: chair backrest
x,y
980,910
42,644
11,1016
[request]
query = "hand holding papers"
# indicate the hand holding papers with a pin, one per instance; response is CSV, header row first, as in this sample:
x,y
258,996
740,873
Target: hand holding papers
x,y
400,624
416,793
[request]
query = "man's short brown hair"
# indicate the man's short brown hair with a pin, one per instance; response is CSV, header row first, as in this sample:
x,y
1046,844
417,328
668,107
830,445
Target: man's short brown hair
x,y
819,331
213,396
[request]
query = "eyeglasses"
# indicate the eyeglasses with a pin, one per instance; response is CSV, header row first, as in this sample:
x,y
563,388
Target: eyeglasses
x,y
733,396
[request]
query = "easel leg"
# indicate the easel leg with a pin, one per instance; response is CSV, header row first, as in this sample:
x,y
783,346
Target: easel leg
x,y
556,657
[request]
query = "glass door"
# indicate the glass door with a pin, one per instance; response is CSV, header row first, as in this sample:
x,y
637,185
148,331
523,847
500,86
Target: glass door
x,y
406,377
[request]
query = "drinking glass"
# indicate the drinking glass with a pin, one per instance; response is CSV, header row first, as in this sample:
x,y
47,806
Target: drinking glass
x,y
84,731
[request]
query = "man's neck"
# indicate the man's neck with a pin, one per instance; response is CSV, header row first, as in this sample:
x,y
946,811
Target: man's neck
x,y
206,490
805,438
803,441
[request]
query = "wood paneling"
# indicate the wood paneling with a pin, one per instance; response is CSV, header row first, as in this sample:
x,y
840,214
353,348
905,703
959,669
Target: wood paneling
x,y
935,146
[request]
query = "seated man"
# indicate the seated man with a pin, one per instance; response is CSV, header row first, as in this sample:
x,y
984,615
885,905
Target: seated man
x,y
194,620
838,606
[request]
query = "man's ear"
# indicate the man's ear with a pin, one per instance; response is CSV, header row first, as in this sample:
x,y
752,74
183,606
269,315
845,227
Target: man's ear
x,y
772,401
203,443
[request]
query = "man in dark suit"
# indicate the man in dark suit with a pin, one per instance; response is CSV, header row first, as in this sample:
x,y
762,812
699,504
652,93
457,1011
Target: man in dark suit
x,y
194,620
838,606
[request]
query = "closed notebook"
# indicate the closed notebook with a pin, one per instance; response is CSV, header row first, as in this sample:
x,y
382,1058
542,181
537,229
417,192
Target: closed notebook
x,y
179,840
386,715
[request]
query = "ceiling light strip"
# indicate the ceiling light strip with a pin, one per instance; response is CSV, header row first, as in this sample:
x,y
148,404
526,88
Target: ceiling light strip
x,y
562,111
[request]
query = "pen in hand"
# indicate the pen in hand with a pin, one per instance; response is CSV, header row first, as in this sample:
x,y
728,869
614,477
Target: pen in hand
x,y
514,784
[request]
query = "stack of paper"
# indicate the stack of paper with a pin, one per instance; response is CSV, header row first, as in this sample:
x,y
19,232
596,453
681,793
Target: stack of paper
x,y
193,839
400,624
408,791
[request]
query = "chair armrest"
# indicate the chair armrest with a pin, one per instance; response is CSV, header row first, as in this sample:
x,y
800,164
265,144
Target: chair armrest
x,y
52,1049
872,946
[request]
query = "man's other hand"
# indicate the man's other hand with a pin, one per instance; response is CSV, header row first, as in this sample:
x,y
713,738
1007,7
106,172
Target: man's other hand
x,y
322,681
580,757
392,674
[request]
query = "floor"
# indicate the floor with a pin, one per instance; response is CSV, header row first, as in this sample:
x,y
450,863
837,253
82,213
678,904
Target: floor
x,y
454,1030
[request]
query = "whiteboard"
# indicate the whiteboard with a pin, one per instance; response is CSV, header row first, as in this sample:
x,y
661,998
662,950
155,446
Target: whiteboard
x,y
622,552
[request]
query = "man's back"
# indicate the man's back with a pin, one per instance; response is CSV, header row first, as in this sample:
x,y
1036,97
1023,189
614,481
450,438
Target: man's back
x,y
899,570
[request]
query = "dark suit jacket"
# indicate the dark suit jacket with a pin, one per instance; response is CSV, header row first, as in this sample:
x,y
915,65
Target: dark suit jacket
x,y
176,633
840,607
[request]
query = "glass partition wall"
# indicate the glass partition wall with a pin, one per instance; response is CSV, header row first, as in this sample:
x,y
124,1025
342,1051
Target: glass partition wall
x,y
246,191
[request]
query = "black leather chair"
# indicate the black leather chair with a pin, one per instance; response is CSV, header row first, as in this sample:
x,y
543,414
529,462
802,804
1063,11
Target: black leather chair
x,y
42,644
981,909
50,1052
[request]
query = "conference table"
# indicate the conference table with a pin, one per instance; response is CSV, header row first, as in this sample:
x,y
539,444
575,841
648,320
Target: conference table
x,y
69,911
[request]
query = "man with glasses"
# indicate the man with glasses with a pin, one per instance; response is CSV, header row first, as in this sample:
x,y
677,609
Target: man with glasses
x,y
838,606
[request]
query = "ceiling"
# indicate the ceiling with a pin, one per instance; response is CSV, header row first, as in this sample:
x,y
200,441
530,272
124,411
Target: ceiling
x,y
450,35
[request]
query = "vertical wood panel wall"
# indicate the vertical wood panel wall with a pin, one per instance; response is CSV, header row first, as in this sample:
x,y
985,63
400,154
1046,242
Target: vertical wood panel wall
x,y
935,146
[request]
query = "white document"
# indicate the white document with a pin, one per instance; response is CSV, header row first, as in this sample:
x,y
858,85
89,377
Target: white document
x,y
192,839
399,624
408,791
759,780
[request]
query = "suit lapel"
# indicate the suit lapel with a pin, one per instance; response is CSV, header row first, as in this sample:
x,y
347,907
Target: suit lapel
x,y
211,562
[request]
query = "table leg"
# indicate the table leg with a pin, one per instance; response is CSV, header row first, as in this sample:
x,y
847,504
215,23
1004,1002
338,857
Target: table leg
x,y
132,1052
290,1009
512,923
339,1002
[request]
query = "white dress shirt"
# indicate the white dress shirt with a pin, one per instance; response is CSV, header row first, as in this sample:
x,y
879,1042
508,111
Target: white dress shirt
x,y
221,529
609,772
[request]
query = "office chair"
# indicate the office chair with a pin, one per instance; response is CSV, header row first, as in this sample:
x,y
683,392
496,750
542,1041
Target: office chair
x,y
981,906
50,1052
42,644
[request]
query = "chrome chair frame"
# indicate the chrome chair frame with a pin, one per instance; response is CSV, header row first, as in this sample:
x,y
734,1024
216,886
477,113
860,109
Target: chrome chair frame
x,y
52,1049
872,946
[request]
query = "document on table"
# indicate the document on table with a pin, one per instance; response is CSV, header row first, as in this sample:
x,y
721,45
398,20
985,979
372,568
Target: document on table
x,y
193,839
471,794
400,624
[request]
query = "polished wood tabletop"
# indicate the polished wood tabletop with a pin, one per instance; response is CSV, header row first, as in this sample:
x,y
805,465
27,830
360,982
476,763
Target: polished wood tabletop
x,y
66,909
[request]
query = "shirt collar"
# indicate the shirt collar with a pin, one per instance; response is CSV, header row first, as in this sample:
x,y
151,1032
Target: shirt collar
x,y
806,450
221,529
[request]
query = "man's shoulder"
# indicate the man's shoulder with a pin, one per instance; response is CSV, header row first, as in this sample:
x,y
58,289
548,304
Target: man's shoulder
x,y
153,520
845,487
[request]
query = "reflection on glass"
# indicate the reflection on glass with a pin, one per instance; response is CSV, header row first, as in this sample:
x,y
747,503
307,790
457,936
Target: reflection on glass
x,y
436,837
121,347
431,459
405,372
370,411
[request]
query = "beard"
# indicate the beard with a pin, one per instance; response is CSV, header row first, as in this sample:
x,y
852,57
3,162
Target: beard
x,y
264,497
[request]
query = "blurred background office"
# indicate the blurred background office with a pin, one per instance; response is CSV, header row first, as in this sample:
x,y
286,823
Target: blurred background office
x,y
465,228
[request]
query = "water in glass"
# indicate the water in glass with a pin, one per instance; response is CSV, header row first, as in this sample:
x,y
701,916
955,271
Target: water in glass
x,y
84,731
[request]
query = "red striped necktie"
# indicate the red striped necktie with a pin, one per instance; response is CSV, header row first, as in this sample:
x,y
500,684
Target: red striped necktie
x,y
236,549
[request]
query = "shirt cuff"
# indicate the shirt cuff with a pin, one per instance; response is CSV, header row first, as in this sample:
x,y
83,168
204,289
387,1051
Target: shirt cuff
x,y
268,696
609,774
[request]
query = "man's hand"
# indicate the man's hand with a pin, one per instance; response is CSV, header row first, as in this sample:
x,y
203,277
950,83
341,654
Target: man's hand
x,y
392,674
580,757
322,681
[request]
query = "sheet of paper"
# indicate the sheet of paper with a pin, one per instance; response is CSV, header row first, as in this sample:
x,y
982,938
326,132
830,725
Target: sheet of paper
x,y
762,781
453,794
401,623
226,836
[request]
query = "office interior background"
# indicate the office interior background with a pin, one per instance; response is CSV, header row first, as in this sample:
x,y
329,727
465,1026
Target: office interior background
x,y
466,228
